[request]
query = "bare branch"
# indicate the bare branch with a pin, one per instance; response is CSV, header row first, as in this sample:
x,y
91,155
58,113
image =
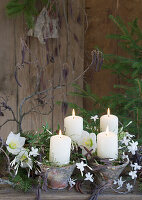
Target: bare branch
x,y
8,120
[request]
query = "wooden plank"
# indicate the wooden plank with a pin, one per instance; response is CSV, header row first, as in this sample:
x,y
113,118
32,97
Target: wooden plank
x,y
99,25
28,78
7,67
39,52
71,58
60,62
23,73
76,16
65,195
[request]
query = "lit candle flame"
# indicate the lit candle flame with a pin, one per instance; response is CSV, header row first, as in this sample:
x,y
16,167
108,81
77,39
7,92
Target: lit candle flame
x,y
73,113
60,132
108,112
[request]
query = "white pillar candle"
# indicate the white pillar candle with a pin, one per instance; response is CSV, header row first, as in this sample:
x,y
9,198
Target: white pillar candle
x,y
107,145
73,126
109,120
60,147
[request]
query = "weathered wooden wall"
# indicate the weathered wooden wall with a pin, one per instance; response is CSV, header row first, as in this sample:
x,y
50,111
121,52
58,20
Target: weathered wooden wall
x,y
71,48
99,25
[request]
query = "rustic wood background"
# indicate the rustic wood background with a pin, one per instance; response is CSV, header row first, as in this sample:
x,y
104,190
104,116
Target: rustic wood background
x,y
99,25
11,30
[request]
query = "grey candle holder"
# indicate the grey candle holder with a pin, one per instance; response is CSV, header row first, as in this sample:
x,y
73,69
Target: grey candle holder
x,y
57,177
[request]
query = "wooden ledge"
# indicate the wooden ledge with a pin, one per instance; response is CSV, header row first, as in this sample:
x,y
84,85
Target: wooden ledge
x,y
10,194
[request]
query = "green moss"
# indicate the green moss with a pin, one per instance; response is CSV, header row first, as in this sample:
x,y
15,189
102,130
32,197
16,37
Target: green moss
x,y
22,181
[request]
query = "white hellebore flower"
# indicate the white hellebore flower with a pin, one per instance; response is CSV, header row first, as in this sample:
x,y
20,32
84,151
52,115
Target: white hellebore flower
x,y
89,177
15,143
120,182
129,187
133,174
34,152
133,147
136,166
81,166
94,117
88,140
24,159
71,182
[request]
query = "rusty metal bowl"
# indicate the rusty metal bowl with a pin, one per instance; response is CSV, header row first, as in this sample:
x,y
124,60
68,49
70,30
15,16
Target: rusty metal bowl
x,y
110,173
57,177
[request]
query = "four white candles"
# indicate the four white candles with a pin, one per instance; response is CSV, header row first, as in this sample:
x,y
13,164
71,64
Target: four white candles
x,y
60,148
109,120
107,145
73,126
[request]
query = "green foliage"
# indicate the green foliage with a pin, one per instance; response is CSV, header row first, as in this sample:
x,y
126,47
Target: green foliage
x,y
129,68
29,8
127,102
22,181
40,140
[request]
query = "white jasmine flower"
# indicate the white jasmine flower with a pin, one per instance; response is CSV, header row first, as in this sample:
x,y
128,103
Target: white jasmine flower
x,y
94,118
129,187
81,166
34,152
133,147
133,174
89,177
125,156
115,182
136,166
71,182
120,182
125,141
88,140
129,135
15,143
